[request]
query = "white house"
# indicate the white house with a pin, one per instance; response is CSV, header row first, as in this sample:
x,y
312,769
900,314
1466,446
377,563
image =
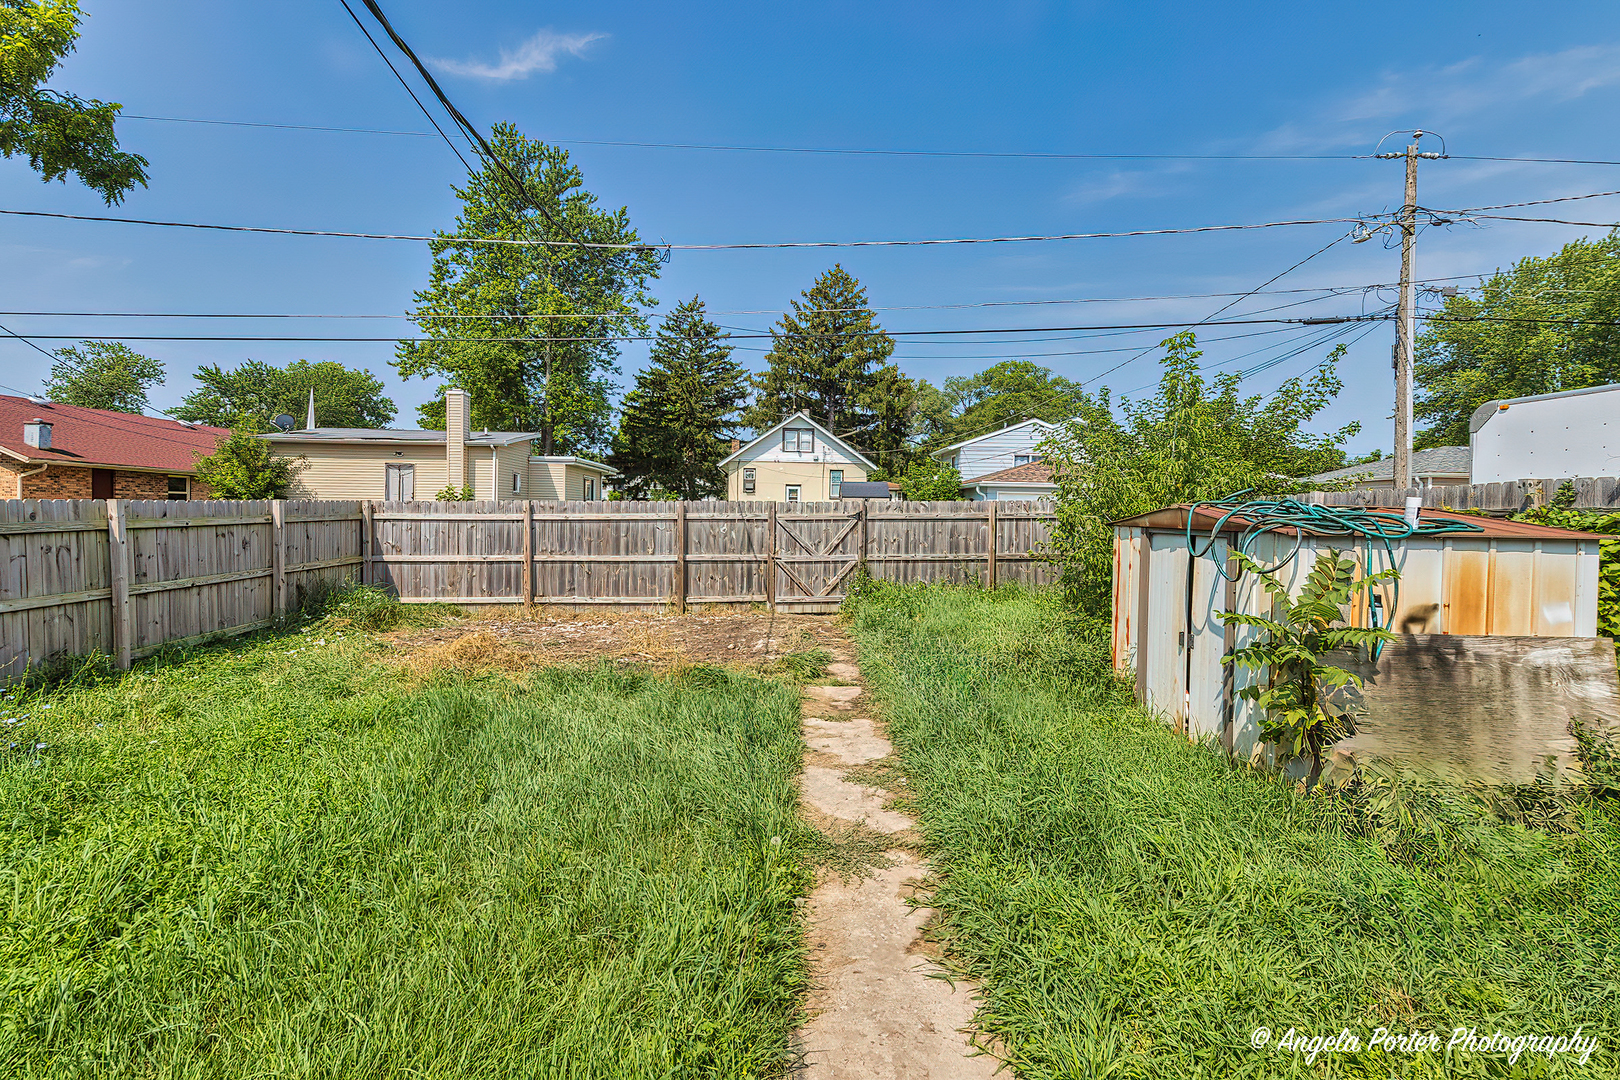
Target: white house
x,y
406,464
798,460
1547,436
1003,464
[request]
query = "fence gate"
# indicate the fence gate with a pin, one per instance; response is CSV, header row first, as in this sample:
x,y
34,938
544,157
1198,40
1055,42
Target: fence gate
x,y
818,546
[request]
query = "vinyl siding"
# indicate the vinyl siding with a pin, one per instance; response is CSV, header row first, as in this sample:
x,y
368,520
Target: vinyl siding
x,y
496,483
772,478
352,471
996,451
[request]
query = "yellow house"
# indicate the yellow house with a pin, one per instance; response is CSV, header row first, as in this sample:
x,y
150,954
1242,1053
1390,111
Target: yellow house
x,y
405,464
798,460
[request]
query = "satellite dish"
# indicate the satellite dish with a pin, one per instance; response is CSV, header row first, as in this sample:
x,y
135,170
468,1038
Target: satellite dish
x,y
284,422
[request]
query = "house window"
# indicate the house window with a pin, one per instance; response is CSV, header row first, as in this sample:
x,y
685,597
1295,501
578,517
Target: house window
x,y
835,483
793,493
798,440
179,488
516,484
1022,459
748,481
590,489
400,483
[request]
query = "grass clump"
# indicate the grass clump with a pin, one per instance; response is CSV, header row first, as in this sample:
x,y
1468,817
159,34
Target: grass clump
x,y
280,859
1136,906
372,608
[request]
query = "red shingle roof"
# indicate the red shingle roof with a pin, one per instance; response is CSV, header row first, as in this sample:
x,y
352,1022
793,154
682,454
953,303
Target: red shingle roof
x,y
104,437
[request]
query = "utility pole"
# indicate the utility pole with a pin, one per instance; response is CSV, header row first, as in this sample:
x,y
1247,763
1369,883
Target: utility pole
x,y
1404,316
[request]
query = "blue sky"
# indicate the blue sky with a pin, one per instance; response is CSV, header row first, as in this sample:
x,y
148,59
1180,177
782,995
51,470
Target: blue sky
x,y
1085,78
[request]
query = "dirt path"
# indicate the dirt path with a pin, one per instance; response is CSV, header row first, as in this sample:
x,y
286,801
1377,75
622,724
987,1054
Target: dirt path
x,y
879,1011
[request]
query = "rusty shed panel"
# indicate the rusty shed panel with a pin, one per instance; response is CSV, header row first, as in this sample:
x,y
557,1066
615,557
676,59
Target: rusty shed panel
x,y
1163,637
1587,558
1206,641
1467,589
1127,598
1513,588
1555,593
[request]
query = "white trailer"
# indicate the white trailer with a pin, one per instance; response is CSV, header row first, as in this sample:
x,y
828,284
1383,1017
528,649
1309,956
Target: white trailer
x,y
1548,436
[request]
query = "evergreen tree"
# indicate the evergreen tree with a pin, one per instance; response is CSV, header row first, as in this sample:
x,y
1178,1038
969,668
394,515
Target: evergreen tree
x,y
685,405
578,296
830,358
103,375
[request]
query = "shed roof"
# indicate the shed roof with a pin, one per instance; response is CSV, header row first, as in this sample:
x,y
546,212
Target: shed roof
x,y
1205,519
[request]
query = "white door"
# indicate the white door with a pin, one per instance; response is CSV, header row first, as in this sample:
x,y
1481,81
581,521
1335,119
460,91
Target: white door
x,y
401,483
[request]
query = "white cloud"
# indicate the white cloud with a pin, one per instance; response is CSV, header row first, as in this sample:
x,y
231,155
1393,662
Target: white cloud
x,y
1444,95
1122,183
540,53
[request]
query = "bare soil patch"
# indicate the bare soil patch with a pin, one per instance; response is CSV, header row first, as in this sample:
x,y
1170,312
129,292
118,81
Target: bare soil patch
x,y
511,640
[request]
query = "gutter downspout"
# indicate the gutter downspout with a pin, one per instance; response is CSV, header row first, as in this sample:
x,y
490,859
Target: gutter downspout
x,y
494,473
25,475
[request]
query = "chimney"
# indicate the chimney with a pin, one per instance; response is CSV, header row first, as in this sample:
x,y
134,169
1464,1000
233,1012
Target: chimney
x,y
37,433
457,404
736,445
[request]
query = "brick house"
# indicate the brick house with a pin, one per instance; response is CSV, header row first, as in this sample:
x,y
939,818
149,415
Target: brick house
x,y
54,451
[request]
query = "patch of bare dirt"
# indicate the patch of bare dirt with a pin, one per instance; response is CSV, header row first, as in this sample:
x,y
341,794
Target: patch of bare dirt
x,y
662,641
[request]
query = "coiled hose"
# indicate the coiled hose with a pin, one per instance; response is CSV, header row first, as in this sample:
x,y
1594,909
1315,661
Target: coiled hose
x,y
1270,515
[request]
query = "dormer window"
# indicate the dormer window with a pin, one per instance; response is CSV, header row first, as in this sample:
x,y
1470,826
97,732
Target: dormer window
x,y
798,440
1024,459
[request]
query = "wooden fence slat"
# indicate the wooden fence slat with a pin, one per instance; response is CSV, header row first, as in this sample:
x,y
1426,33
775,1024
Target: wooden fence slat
x,y
119,556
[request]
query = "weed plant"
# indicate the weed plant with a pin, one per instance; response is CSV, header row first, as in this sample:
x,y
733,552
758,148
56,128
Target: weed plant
x,y
1136,906
279,859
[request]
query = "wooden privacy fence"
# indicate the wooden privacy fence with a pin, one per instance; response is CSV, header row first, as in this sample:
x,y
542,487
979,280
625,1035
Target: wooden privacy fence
x,y
126,577
1513,496
788,556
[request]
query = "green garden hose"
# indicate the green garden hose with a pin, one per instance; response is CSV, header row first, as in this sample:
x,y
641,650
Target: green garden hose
x,y
1270,515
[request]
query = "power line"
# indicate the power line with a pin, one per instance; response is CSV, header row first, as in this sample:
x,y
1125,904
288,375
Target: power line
x,y
701,247
431,119
1532,202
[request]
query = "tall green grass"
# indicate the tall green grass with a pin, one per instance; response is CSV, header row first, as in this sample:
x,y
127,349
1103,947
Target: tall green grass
x,y
281,859
1136,906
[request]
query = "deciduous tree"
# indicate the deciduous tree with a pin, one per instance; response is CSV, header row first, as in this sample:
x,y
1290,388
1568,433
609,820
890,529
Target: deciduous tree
x,y
573,300
1545,325
58,132
685,405
251,394
1195,439
243,467
103,375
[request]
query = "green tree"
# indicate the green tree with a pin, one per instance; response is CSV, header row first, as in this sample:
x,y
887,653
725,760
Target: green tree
x,y
60,133
1195,439
927,479
575,298
1003,394
103,375
243,466
1545,325
830,358
252,393
685,404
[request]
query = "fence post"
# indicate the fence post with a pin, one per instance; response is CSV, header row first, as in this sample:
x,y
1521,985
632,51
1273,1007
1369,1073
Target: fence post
x,y
861,550
680,557
365,542
119,559
278,554
528,553
990,555
770,561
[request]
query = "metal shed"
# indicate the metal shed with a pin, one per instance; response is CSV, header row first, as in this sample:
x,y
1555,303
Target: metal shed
x,y
1509,578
